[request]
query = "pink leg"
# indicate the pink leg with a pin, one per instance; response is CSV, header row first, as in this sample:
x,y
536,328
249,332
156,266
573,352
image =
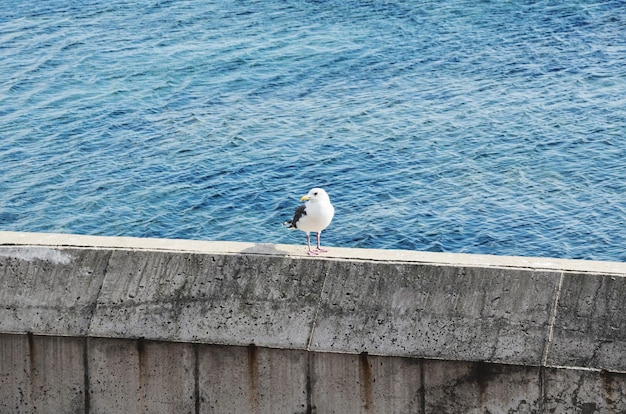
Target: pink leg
x,y
319,248
308,245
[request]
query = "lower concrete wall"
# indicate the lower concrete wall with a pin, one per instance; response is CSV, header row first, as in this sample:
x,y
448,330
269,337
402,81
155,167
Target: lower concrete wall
x,y
103,375
95,325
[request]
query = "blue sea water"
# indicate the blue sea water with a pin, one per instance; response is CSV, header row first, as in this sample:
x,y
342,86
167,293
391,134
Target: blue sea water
x,y
493,127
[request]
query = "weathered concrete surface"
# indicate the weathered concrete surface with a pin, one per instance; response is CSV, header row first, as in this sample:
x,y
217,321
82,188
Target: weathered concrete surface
x,y
137,376
590,326
458,313
477,387
41,374
271,301
219,299
252,380
49,291
133,325
579,391
347,383
105,375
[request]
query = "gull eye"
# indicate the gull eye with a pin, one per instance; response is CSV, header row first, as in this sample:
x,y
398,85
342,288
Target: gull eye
x,y
315,193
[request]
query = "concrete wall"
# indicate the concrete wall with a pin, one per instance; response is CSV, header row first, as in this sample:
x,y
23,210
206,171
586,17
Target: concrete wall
x,y
95,325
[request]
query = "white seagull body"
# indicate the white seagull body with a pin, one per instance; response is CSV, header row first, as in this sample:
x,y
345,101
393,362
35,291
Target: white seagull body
x,y
313,216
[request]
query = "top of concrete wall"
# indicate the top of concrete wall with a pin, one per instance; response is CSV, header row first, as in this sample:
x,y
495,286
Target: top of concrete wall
x,y
227,247
513,310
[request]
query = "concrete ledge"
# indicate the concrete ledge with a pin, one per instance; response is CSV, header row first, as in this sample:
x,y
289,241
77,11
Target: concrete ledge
x,y
516,311
8,239
99,324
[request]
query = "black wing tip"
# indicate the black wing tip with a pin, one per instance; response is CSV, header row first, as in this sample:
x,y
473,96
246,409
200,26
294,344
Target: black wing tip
x,y
293,223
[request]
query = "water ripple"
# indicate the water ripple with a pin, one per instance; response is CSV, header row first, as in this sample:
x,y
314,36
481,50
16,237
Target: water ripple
x,y
468,127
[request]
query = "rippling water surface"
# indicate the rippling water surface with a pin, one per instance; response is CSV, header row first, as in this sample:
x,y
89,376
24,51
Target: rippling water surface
x,y
494,127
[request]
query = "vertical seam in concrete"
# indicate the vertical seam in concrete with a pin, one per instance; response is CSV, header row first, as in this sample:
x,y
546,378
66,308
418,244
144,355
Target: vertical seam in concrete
x,y
542,389
143,373
97,297
196,377
366,380
309,384
86,374
422,389
555,305
31,367
317,309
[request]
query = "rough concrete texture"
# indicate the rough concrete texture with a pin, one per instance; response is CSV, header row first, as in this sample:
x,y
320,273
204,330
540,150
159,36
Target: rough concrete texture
x,y
346,383
137,376
585,392
380,308
458,313
250,379
194,326
103,375
590,326
219,299
478,387
41,374
49,291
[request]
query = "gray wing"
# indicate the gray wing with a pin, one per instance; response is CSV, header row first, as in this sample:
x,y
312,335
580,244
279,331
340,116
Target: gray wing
x,y
300,211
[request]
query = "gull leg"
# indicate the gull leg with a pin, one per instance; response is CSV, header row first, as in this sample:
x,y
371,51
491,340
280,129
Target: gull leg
x,y
308,245
319,248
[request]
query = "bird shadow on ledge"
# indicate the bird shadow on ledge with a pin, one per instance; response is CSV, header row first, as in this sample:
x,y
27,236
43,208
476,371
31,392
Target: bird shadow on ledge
x,y
265,248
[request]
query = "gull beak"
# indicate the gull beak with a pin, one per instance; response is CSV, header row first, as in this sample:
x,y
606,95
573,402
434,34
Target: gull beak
x,y
305,198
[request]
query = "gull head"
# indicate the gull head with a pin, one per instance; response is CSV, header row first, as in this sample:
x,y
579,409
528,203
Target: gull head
x,y
316,194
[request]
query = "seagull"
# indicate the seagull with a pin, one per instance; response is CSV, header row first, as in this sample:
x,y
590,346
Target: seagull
x,y
313,216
